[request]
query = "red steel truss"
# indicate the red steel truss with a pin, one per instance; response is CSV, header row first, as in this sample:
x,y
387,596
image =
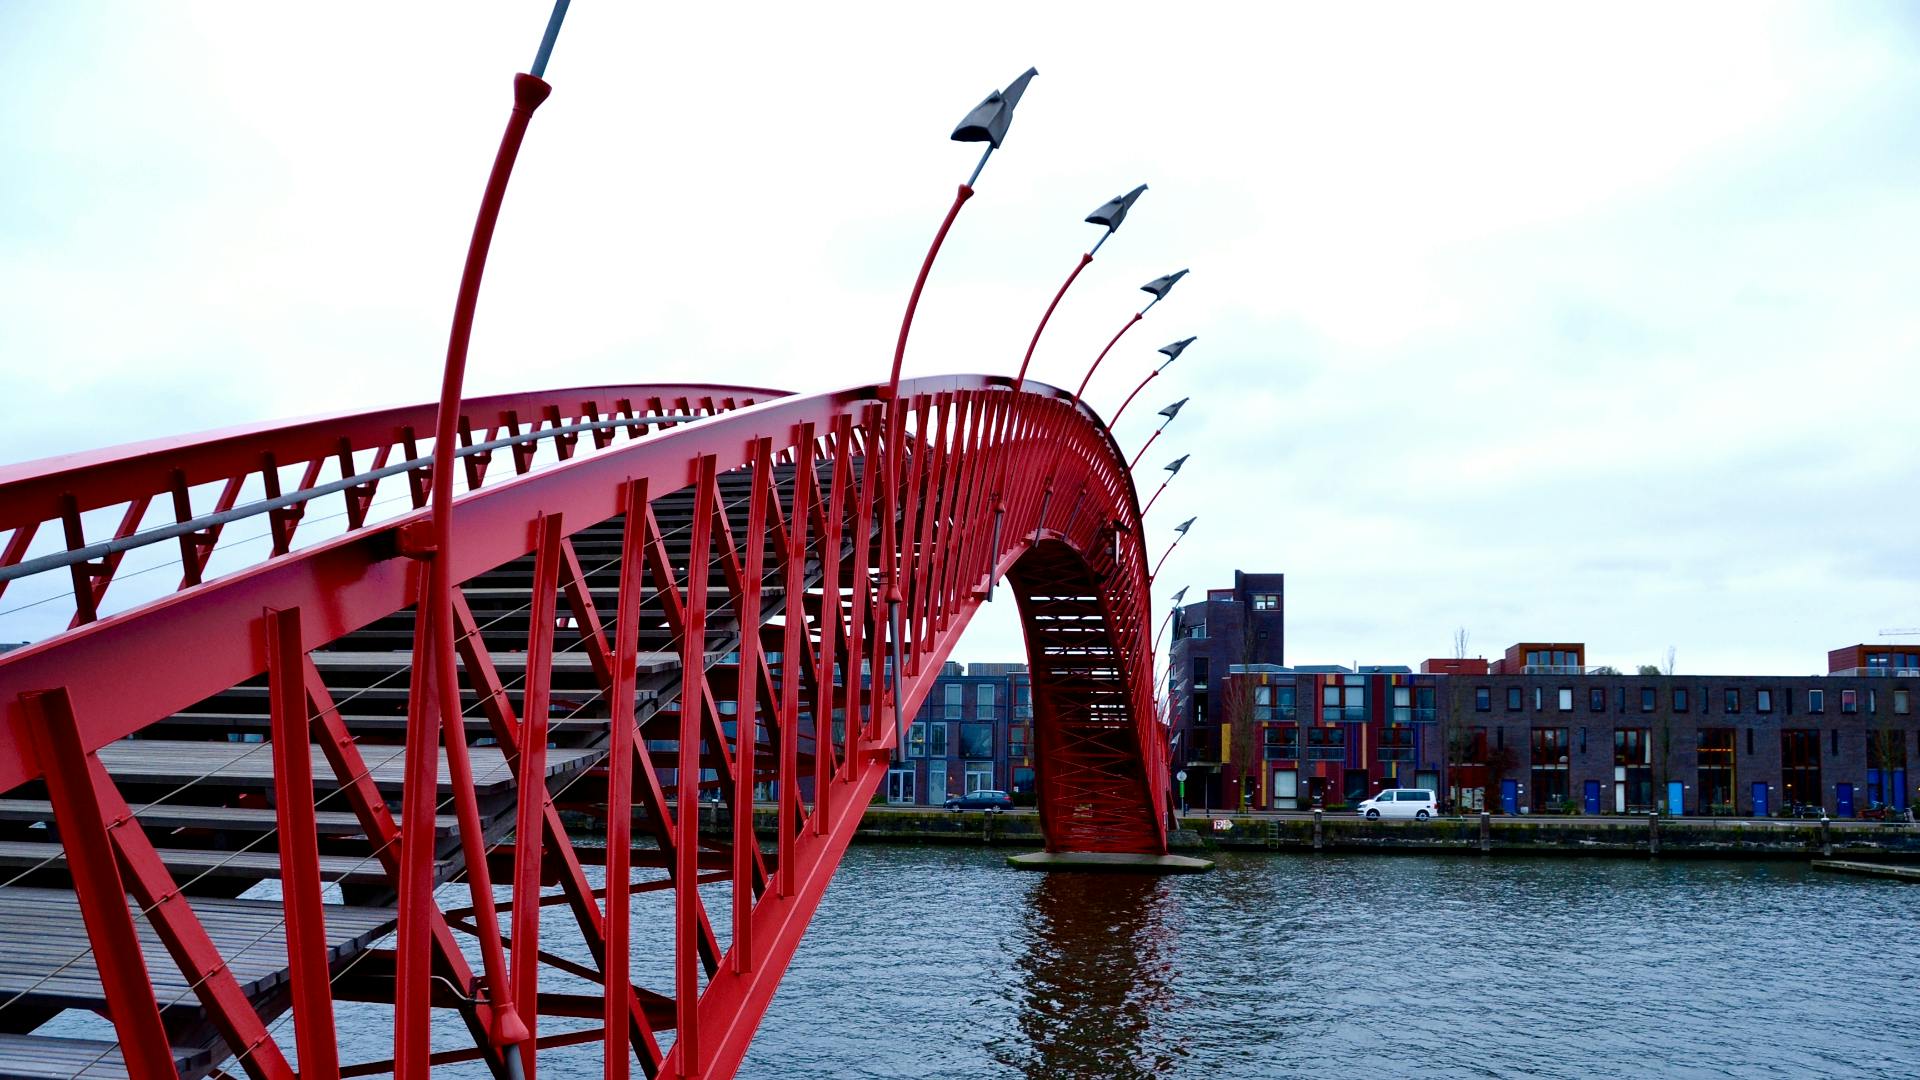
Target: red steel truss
x,y
699,603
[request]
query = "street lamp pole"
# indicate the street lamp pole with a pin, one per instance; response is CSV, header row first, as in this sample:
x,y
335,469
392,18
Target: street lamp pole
x,y
435,683
1169,412
1172,353
1159,287
1180,532
1173,470
1110,214
988,123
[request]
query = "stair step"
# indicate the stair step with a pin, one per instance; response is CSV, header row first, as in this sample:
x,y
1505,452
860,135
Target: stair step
x,y
41,1057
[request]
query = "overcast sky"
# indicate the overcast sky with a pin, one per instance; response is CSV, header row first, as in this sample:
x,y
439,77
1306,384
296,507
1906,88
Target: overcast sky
x,y
1569,324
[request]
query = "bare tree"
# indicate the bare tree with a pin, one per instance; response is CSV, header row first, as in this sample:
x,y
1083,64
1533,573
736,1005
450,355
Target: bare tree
x,y
1670,654
1460,637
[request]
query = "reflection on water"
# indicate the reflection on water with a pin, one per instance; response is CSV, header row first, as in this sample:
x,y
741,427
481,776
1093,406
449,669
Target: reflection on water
x,y
1093,972
931,962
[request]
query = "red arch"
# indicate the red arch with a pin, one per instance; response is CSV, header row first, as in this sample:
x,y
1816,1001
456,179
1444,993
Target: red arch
x,y
773,514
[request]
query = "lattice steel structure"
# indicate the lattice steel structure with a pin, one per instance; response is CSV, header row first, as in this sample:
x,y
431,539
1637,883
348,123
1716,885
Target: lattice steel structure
x,y
675,589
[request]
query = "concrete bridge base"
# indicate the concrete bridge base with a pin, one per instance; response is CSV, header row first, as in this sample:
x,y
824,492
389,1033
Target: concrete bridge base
x,y
1103,862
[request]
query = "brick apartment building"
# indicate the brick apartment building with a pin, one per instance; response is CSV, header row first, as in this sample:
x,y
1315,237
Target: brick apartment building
x,y
1595,742
1535,731
974,731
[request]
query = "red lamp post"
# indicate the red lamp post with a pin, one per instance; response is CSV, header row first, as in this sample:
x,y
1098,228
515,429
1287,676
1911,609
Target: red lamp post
x,y
1159,287
1169,412
1172,353
1173,470
1180,532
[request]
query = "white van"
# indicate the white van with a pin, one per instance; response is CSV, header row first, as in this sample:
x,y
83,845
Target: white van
x,y
1416,803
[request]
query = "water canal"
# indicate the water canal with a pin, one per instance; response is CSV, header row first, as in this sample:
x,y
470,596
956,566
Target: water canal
x,y
941,962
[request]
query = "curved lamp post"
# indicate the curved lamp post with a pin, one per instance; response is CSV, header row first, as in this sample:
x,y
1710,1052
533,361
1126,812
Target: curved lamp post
x,y
1180,532
1110,214
988,123
1174,607
1173,470
1169,412
1159,287
435,681
1172,353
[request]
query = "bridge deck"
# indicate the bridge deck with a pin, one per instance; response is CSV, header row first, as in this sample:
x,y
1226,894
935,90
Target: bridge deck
x,y
48,960
38,1057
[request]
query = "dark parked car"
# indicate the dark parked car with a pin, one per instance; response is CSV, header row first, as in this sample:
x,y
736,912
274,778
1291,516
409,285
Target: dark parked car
x,y
981,800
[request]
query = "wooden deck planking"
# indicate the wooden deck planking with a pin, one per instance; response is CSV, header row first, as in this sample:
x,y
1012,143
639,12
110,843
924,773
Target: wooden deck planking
x,y
40,1057
173,761
45,932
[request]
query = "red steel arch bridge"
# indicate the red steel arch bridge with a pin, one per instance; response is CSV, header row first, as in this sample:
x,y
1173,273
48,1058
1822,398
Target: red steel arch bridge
x,y
357,753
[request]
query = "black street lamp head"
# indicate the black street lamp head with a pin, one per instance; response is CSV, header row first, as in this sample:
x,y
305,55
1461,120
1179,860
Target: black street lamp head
x,y
1161,286
988,121
1185,525
1114,210
1173,410
1172,352
1182,594
1174,466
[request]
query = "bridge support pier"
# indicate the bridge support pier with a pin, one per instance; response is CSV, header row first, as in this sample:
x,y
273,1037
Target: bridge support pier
x,y
1109,862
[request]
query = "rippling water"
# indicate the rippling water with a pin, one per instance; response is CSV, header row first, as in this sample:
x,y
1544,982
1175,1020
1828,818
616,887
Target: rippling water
x,y
929,962
942,962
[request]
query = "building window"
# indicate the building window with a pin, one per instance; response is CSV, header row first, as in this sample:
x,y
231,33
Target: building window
x,y
1763,701
1566,699
1901,705
1816,701
1482,699
1266,601
1539,696
917,740
1649,699
1716,771
1679,699
1326,744
1022,781
1199,672
1423,705
1632,770
1403,705
900,785
1549,768
1019,739
1284,701
1396,743
955,708
1263,702
1834,747
976,740
1023,702
1800,767
1873,701
1281,742
979,776
1513,699
1596,699
1732,700
1849,701
937,740
983,702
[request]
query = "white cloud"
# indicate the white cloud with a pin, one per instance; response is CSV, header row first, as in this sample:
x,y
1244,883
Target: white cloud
x,y
1552,323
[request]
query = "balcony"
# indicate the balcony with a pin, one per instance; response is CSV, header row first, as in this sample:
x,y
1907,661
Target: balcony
x,y
1553,669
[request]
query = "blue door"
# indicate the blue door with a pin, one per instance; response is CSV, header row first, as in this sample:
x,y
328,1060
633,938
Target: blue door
x,y
1676,798
1509,796
1593,796
1759,800
1843,800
